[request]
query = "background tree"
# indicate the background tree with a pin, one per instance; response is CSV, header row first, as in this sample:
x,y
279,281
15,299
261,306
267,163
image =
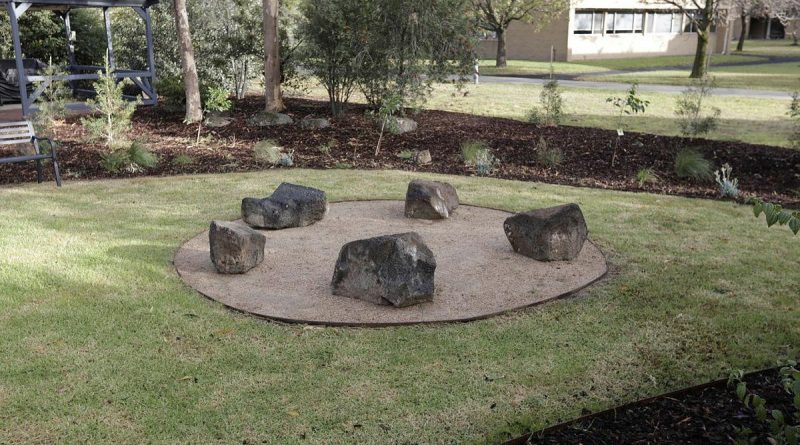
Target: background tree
x,y
748,9
272,60
702,15
787,11
497,15
194,109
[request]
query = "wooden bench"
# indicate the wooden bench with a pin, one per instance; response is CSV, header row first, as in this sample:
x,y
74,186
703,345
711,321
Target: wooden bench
x,y
14,133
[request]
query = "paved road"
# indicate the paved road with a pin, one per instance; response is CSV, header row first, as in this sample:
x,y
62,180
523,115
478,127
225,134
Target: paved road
x,y
668,89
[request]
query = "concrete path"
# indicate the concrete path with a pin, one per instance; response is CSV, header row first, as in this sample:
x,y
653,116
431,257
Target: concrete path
x,y
667,89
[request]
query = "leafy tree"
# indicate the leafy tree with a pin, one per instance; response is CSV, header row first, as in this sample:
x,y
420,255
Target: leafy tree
x,y
748,8
497,15
111,122
702,15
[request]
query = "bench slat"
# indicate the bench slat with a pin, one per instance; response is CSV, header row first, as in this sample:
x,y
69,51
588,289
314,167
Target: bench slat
x,y
15,141
19,131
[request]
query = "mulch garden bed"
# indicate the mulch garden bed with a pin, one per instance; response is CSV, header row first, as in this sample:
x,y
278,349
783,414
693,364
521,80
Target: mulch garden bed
x,y
708,414
769,172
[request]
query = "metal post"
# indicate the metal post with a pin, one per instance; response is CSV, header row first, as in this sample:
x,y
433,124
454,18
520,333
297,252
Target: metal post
x,y
107,20
70,48
15,11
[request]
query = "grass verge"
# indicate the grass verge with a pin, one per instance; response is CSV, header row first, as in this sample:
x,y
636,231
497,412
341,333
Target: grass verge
x,y
102,343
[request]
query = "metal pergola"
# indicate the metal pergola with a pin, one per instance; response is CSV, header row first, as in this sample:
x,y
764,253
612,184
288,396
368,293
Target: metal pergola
x,y
143,79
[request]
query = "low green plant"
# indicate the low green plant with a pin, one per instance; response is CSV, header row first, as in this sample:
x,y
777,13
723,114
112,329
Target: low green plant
x,y
343,166
182,160
407,155
694,118
470,150
646,176
135,158
551,105
216,99
52,105
327,147
547,155
268,151
728,187
629,105
784,427
287,159
390,105
485,162
690,164
171,91
112,113
776,214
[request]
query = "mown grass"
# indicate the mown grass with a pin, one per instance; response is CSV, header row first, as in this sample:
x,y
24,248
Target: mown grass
x,y
102,343
752,120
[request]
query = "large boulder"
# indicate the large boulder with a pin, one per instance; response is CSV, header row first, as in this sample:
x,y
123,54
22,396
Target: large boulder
x,y
430,200
395,270
552,234
267,119
235,249
289,206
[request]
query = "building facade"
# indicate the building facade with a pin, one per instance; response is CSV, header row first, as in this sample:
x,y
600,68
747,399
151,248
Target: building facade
x,y
597,29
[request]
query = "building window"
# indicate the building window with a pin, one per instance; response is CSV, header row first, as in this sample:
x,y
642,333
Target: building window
x,y
588,23
664,22
626,22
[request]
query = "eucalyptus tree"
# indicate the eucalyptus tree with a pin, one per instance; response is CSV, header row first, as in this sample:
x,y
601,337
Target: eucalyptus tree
x,y
191,82
748,9
701,15
497,15
272,58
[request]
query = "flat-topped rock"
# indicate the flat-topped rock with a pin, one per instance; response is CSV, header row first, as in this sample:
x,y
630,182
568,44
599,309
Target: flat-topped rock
x,y
404,125
289,206
395,270
311,123
266,119
430,200
551,234
235,249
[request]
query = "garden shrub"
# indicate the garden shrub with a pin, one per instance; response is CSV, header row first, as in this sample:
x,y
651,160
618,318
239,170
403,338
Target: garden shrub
x,y
728,187
171,91
268,151
471,149
136,158
111,121
547,155
690,164
646,176
693,117
52,105
485,162
182,160
551,106
215,98
784,426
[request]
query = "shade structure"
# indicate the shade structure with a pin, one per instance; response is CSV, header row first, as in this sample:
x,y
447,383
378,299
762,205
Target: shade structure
x,y
144,79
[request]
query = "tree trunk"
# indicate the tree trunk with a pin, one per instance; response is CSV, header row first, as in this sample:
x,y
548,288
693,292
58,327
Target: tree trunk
x,y
700,67
194,109
501,49
743,36
272,59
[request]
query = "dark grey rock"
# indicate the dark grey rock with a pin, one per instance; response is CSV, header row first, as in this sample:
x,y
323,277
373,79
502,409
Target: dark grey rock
x,y
314,123
218,120
403,125
423,157
552,234
265,119
430,200
289,206
235,249
395,270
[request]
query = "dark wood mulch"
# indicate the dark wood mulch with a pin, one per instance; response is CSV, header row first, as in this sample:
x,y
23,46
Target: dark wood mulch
x,y
769,172
707,414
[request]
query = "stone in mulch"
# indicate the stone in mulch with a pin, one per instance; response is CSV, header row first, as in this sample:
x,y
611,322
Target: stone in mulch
x,y
266,119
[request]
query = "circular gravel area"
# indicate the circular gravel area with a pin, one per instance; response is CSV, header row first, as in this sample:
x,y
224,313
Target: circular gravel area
x,y
477,275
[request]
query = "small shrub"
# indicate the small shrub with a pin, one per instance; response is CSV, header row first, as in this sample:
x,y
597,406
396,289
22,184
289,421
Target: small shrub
x,y
216,99
182,160
728,187
690,164
693,118
548,156
485,162
390,105
551,103
287,159
407,155
471,149
629,105
52,105
134,159
646,176
112,120
328,146
268,151
171,91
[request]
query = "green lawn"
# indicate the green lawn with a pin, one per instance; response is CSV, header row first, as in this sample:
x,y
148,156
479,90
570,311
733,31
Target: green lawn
x,y
783,48
753,120
102,343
